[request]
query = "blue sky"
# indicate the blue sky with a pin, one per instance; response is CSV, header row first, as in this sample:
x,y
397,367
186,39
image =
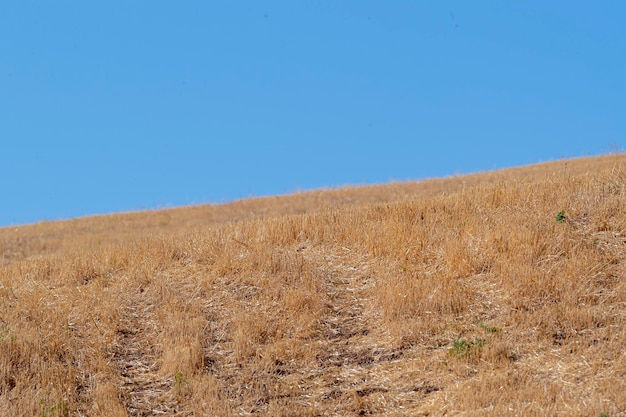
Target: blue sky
x,y
117,106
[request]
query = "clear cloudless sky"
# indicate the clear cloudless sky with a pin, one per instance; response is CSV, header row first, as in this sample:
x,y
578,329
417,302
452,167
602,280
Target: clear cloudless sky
x,y
110,106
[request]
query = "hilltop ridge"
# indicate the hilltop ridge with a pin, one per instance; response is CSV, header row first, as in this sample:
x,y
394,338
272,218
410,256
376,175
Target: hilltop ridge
x,y
53,237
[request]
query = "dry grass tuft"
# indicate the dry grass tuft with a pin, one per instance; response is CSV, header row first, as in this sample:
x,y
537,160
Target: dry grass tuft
x,y
500,293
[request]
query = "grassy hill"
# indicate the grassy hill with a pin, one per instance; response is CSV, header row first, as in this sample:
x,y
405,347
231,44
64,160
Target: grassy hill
x,y
499,293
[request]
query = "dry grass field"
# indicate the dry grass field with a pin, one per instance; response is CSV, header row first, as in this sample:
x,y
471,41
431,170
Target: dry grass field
x,y
502,293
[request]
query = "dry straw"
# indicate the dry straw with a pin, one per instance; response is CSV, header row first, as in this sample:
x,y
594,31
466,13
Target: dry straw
x,y
499,293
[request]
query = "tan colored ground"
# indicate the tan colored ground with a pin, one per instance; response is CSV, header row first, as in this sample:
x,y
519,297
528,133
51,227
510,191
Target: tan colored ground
x,y
461,296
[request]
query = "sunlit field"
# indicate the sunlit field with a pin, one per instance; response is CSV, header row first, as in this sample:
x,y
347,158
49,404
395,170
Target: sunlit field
x,y
500,293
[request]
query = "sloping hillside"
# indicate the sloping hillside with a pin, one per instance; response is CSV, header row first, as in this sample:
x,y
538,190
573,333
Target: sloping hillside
x,y
501,293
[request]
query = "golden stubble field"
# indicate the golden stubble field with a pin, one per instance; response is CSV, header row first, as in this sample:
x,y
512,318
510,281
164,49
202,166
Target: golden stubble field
x,y
501,293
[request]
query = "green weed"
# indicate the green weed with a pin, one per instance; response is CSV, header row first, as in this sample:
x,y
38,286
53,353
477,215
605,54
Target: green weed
x,y
180,383
490,329
463,348
7,335
57,410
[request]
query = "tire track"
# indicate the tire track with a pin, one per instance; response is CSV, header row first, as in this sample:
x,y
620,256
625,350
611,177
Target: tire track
x,y
144,392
